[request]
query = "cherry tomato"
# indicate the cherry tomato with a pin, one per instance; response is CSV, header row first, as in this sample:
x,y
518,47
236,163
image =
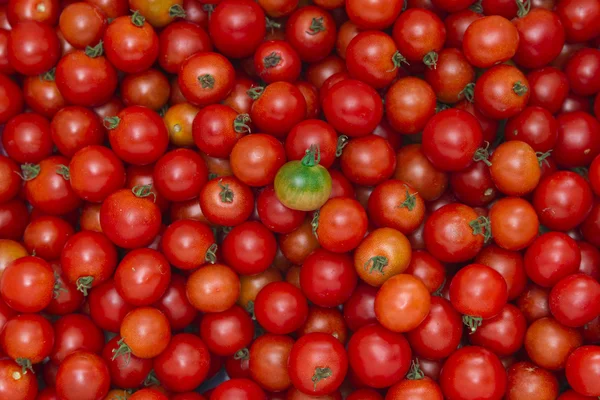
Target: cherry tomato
x,y
82,375
213,288
142,276
579,19
217,128
501,92
420,35
188,244
515,168
526,379
280,308
11,99
126,371
368,160
409,104
33,47
14,383
327,279
28,339
402,303
277,108
359,310
206,78
549,88
275,215
341,224
373,14
26,138
256,159
95,172
178,41
175,304
371,57
312,33
576,144
227,332
548,343
46,236
75,332
145,333
581,370
503,334
73,128
573,300
238,389
27,284
268,366
249,248
541,38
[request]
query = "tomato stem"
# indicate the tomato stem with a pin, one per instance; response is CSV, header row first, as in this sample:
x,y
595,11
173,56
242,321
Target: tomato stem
x,y
397,60
137,19
315,223
95,51
341,143
542,157
250,309
468,92
211,254
57,286
320,374
242,354
240,123
162,111
84,283
438,291
312,156
176,11
472,322
439,106
411,200
49,76
377,263
483,154
272,24
519,88
476,7
524,7
430,59
143,191
226,194
317,25
63,171
415,372
482,226
29,171
207,81
151,379
111,123
255,92
581,171
25,364
272,60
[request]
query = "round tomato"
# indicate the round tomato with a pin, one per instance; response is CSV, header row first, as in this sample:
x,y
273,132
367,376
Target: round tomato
x,y
574,300
368,160
142,276
509,264
503,334
373,14
541,38
179,40
188,244
577,145
217,128
82,24
489,41
312,33
526,379
257,158
410,103
126,372
277,108
14,384
249,248
227,332
27,339
145,333
280,308
501,92
26,138
74,127
268,366
420,35
402,303
581,370
180,174
275,215
27,284
515,168
549,343
340,224
33,47
213,288
327,279
95,172
206,78
82,376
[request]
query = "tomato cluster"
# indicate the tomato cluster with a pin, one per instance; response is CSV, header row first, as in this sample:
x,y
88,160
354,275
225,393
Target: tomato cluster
x,y
299,199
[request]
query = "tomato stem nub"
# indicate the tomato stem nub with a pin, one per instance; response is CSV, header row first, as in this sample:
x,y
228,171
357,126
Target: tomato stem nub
x,y
482,226
226,194
151,379
272,60
438,291
111,123
122,350
255,92
377,263
476,7
524,7
312,156
321,373
57,286
211,254
482,154
519,88
542,157
137,19
25,364
272,24
431,59
315,223
176,11
341,143
84,283
468,92
439,106
316,26
397,60
411,200
209,8
242,354
29,171
63,171
240,123
415,372
207,81
472,322
250,309
49,76
95,51
143,191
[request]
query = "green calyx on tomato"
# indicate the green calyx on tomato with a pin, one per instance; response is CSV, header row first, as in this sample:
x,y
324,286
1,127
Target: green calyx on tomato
x,y
255,92
176,11
211,254
58,287
314,223
207,81
151,379
243,354
543,156
63,171
483,154
29,171
240,123
320,373
377,263
122,350
482,226
25,364
524,8
341,143
226,194
468,92
272,60
430,59
49,76
84,284
95,51
519,88
143,191
472,322
303,185
415,373
111,122
137,19
317,25
398,59
411,200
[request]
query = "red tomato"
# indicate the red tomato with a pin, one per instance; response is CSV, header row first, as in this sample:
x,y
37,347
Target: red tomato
x,y
581,370
368,160
277,108
409,104
552,257
359,310
180,174
577,145
280,308
82,24
255,159
312,33
175,304
501,92
33,47
541,38
274,215
341,224
74,127
179,40
75,332
420,35
11,99
276,60
14,384
549,88
145,333
227,332
373,14
579,19
503,334
188,244
28,339
126,371
402,303
27,284
217,128
142,276
238,389
26,138
574,300
213,288
95,172
549,343
249,248
82,376
525,380
327,279
206,78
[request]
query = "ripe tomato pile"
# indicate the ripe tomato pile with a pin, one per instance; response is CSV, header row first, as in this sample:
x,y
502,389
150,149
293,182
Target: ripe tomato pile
x,y
299,199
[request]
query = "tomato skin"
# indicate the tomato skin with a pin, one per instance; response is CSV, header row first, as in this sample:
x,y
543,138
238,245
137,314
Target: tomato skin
x,y
370,57
180,174
549,88
414,388
402,303
312,33
579,19
551,257
409,104
26,138
27,284
526,379
279,108
574,300
390,350
515,168
502,92
280,308
414,168
548,343
256,159
10,184
178,41
395,204
82,376
129,221
276,60
84,80
238,389
456,25
269,356
541,38
149,394
175,304
581,370
450,139
313,352
327,279
342,225
73,127
503,334
535,126
14,384
226,201
275,215
142,276
576,145
184,364
186,243
46,236
27,336
14,218
45,11
368,160
490,40
126,371
452,73
96,172
373,14
249,248
33,47
227,332
213,288
418,32
353,108
206,78
562,200
232,38
146,332
359,310
11,99
82,24
42,95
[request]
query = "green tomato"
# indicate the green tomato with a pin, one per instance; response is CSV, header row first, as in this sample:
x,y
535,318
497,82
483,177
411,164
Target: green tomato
x,y
303,185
